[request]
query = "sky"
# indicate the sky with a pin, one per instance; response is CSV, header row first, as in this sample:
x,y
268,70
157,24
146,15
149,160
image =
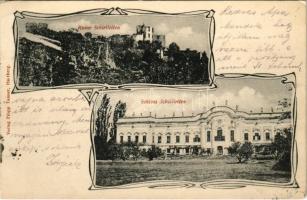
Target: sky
x,y
248,93
187,31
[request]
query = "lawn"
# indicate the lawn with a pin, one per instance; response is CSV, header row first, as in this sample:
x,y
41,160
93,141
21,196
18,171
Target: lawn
x,y
197,170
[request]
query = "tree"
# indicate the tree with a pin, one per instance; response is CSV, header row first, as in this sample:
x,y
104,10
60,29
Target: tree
x,y
173,48
154,152
102,126
242,151
285,104
233,149
103,116
281,148
208,152
88,35
119,112
195,150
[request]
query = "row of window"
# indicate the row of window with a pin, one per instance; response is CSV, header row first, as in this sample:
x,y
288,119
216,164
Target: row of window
x,y
168,139
218,137
257,136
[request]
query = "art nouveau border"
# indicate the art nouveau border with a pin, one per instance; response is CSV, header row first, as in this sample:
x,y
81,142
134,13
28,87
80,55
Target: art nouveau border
x,y
214,184
115,11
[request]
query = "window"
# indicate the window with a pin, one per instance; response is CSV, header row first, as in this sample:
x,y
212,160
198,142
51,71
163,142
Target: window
x,y
159,139
121,139
246,136
129,138
187,139
257,137
232,135
177,138
136,139
267,136
168,150
168,139
144,138
208,136
219,132
219,136
197,138
153,139
177,150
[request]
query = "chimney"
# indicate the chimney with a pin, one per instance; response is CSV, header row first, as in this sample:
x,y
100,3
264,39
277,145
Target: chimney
x,y
133,114
226,102
150,114
272,110
192,114
261,109
173,114
237,107
251,111
213,103
182,114
141,114
155,115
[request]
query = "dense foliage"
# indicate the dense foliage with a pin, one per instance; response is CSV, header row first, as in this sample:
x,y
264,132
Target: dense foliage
x,y
125,151
243,152
113,60
281,148
106,131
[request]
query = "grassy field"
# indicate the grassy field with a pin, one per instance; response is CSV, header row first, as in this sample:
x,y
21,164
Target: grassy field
x,y
198,170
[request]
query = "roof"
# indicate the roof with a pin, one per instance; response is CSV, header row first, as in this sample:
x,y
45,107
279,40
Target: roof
x,y
205,116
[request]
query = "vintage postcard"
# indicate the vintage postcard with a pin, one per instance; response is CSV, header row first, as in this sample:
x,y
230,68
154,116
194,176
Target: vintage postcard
x,y
157,100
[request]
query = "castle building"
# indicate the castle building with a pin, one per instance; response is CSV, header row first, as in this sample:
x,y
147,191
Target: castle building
x,y
146,33
213,130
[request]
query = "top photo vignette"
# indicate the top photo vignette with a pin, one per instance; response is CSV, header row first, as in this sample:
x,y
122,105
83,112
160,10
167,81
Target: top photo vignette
x,y
114,50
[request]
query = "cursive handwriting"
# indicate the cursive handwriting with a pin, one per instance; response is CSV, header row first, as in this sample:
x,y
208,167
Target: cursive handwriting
x,y
259,40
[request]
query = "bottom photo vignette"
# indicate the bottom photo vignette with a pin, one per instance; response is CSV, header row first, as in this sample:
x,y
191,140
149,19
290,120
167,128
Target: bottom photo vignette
x,y
240,133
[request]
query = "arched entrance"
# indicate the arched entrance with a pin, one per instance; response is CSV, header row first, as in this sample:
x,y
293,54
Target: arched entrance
x,y
220,150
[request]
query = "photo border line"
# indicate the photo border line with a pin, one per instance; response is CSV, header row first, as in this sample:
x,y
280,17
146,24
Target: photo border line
x,y
218,183
118,12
